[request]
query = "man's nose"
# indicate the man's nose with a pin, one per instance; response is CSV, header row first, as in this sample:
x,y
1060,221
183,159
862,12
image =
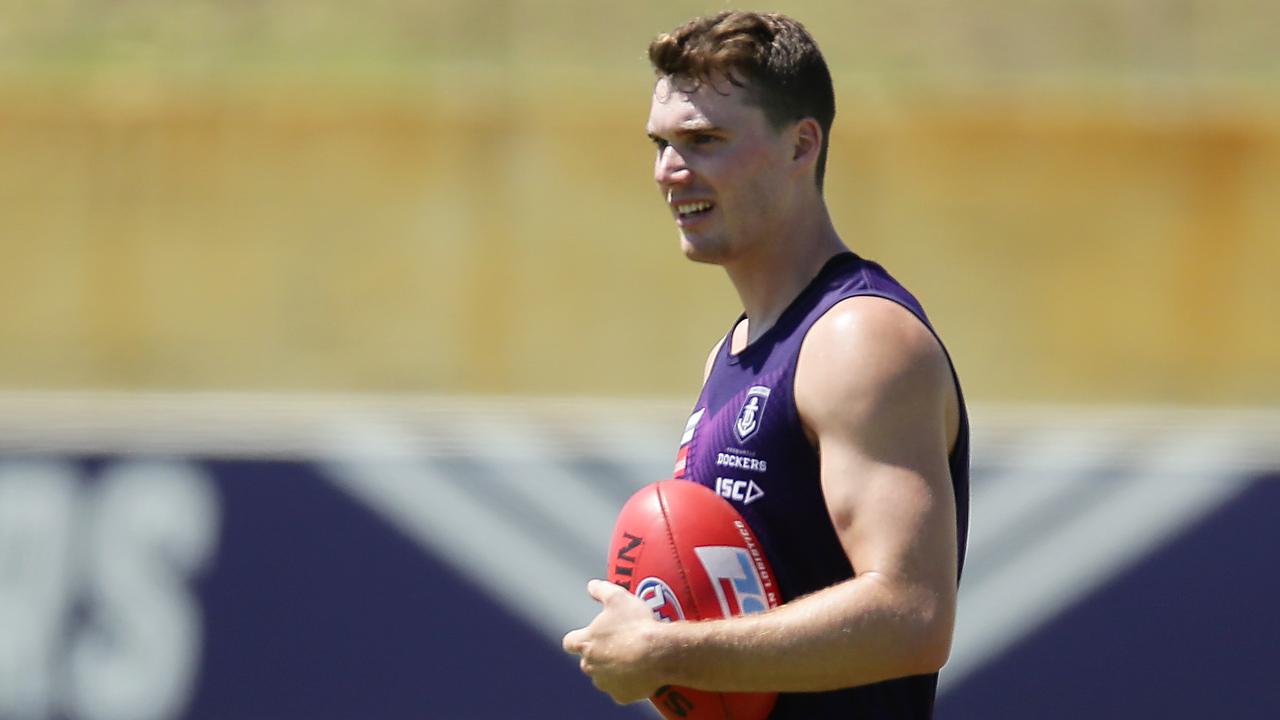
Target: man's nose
x,y
670,168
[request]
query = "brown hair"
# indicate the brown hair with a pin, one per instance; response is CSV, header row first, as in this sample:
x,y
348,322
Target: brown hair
x,y
771,55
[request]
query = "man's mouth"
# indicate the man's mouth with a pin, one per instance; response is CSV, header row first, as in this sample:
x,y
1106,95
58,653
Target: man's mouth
x,y
690,210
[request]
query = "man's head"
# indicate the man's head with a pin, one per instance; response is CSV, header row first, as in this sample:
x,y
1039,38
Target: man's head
x,y
740,115
771,56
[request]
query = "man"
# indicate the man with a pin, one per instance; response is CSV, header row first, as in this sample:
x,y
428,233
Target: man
x,y
831,397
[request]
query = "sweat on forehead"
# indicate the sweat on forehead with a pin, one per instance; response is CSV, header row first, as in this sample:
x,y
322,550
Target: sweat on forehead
x,y
722,83
677,111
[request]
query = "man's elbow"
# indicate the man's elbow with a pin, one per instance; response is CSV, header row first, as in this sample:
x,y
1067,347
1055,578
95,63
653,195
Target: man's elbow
x,y
934,653
919,641
926,643
916,651
932,642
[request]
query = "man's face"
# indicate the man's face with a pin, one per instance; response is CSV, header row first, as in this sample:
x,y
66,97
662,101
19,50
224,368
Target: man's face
x,y
718,167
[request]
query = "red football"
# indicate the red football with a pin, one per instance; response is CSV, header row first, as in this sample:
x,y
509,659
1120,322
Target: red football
x,y
689,555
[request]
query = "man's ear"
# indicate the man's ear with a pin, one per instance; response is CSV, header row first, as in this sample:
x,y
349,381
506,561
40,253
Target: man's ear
x,y
807,145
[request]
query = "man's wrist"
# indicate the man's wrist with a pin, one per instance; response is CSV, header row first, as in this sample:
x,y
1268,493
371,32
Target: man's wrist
x,y
676,650
669,647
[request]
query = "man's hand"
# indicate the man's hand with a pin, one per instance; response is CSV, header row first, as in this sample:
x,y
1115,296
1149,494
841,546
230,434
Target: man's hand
x,y
618,648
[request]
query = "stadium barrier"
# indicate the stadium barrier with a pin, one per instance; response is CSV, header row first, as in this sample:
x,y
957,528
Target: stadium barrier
x,y
248,556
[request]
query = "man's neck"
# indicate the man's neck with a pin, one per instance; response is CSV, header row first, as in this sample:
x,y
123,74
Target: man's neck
x,y
771,278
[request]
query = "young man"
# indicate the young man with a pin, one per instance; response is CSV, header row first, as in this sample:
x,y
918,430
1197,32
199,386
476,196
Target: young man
x,y
831,397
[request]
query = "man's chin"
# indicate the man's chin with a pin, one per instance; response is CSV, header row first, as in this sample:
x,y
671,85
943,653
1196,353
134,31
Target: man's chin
x,y
701,251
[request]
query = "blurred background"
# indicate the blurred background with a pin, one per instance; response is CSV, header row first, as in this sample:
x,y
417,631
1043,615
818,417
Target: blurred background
x,y
334,335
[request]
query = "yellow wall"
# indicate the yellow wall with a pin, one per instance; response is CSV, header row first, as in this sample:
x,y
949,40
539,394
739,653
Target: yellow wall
x,y
483,220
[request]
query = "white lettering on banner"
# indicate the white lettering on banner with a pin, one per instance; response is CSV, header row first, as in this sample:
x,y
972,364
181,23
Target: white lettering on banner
x,y
38,504
125,548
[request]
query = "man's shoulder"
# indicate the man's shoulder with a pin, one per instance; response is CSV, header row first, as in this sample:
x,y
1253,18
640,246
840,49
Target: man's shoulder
x,y
868,351
872,327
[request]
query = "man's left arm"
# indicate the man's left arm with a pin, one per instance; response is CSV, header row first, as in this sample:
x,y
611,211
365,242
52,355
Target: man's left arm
x,y
876,395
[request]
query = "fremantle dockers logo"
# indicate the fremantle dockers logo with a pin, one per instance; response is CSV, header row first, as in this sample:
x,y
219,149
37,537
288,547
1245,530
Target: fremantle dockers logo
x,y
752,410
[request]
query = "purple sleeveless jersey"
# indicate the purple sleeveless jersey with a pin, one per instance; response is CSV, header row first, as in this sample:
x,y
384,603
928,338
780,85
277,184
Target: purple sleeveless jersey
x,y
745,441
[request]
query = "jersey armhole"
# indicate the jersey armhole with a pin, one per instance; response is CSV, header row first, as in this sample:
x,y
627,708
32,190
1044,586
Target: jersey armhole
x,y
961,431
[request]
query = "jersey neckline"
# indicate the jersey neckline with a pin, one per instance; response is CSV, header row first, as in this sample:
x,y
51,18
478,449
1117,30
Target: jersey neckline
x,y
786,317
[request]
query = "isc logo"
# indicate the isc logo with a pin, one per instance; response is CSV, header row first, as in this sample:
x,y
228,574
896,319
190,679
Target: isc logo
x,y
744,491
734,577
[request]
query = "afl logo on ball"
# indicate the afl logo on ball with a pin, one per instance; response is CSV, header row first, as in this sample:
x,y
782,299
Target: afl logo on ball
x,y
752,410
661,600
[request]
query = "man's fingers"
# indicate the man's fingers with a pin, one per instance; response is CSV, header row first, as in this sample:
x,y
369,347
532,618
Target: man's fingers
x,y
573,640
602,590
593,589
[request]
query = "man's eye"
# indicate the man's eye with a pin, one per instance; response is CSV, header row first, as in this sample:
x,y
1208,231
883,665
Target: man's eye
x,y
702,139
660,144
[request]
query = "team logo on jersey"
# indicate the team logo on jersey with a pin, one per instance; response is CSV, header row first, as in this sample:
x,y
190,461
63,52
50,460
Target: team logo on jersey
x,y
660,598
752,411
733,575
